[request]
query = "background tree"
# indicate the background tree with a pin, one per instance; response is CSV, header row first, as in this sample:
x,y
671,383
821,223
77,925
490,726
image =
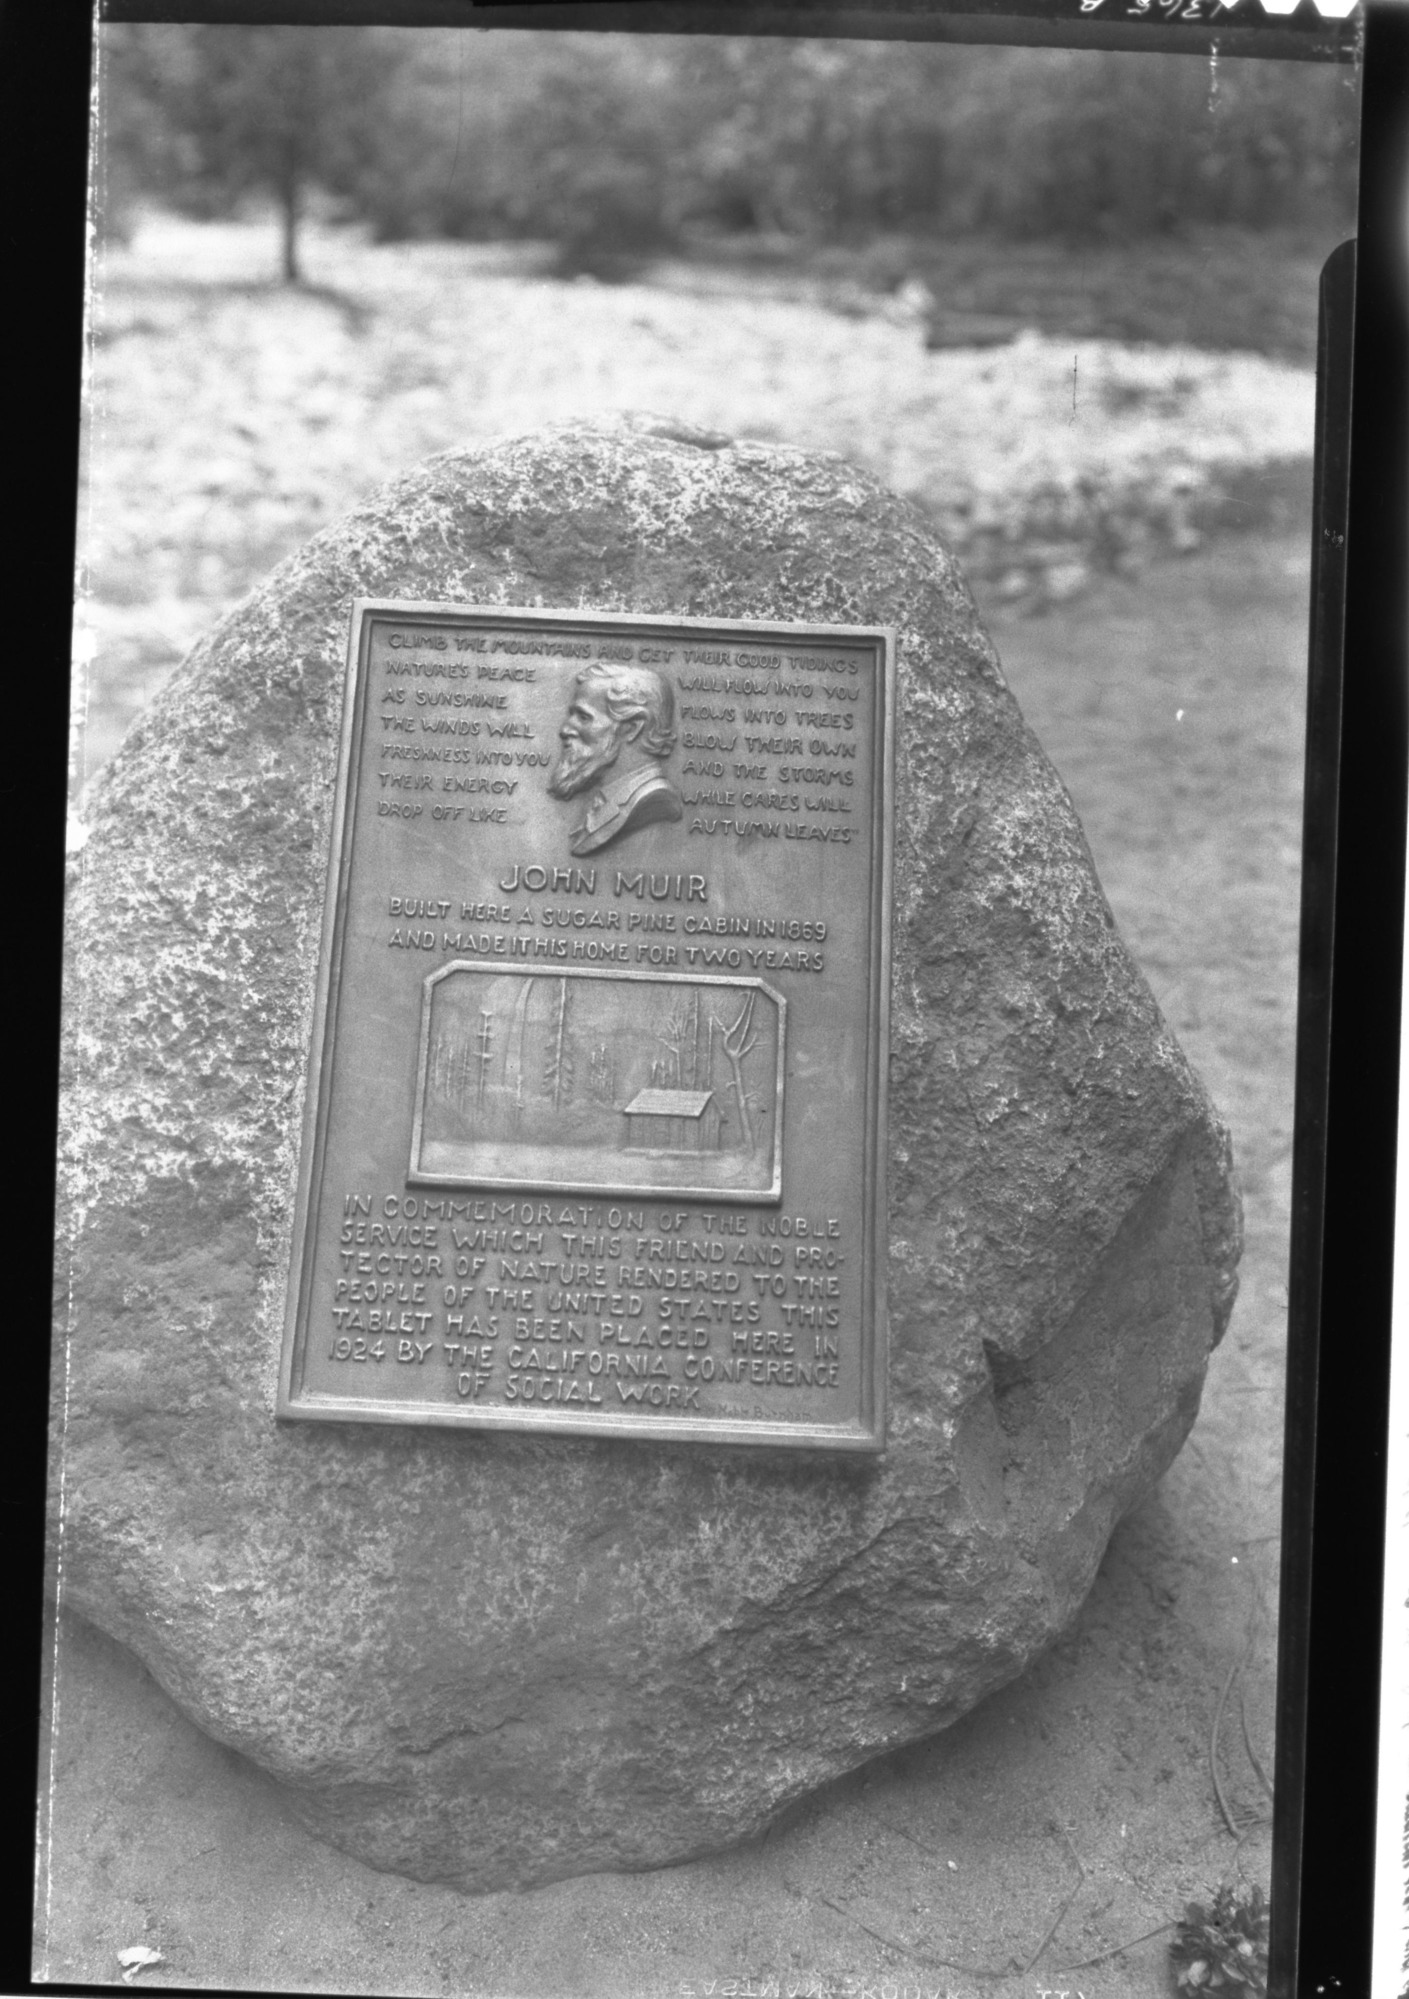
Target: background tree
x,y
618,147
205,116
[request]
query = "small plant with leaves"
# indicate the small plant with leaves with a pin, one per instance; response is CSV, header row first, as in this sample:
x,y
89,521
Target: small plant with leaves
x,y
1223,1948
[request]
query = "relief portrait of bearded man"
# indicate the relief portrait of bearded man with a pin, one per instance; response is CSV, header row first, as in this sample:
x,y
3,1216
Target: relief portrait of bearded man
x,y
616,736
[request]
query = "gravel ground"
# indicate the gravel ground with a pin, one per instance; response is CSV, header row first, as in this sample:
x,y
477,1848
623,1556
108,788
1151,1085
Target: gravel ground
x,y
1075,1812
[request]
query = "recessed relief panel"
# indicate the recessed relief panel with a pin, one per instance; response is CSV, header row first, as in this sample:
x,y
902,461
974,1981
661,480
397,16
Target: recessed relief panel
x,y
595,1128
629,1083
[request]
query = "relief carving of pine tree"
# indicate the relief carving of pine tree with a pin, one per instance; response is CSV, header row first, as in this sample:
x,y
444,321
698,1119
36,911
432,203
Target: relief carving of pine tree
x,y
601,1075
558,1072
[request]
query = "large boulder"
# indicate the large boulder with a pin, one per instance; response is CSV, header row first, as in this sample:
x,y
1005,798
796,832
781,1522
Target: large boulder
x,y
499,1659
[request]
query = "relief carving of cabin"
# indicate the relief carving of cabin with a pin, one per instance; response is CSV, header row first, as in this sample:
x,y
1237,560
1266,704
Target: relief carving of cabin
x,y
673,1121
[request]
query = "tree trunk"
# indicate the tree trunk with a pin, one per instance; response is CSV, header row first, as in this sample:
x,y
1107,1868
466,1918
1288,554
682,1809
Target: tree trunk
x,y
289,192
513,1067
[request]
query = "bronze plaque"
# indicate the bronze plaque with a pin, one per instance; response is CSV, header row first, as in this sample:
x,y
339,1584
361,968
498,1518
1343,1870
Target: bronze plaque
x,y
595,1136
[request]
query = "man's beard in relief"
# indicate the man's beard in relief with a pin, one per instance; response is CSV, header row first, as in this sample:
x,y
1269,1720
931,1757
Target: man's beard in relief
x,y
577,767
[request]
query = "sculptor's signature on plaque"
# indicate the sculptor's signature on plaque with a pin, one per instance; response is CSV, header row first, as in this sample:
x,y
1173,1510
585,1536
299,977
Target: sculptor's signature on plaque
x,y
616,737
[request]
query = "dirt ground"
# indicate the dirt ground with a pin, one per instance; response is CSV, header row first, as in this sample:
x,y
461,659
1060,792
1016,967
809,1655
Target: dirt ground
x,y
1045,1843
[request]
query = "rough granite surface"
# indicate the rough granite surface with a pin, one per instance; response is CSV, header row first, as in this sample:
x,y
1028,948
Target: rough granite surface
x,y
494,1660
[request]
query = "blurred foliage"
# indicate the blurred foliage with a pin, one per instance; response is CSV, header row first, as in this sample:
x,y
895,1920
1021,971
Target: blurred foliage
x,y
617,147
204,116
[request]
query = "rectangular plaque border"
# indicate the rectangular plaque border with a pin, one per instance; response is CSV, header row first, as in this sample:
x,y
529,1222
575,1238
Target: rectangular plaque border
x,y
866,1435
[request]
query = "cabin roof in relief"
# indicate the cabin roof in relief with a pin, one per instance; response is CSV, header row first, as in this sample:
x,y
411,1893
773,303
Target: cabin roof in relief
x,y
669,1103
